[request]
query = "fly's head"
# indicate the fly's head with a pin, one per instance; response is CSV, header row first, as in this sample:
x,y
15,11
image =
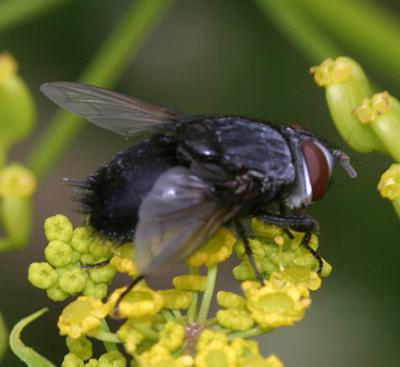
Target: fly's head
x,y
313,160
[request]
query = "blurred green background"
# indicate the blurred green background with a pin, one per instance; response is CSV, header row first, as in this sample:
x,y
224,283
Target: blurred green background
x,y
225,56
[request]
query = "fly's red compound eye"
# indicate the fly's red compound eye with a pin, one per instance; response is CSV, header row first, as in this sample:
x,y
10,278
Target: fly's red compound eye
x,y
319,164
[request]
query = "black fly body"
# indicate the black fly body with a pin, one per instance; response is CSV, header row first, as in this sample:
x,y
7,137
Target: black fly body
x,y
188,176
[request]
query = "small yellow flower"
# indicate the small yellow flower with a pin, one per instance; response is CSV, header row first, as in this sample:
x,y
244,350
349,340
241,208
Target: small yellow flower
x,y
82,317
245,348
16,181
207,336
175,299
271,306
172,335
190,282
157,355
216,354
215,250
234,319
389,185
130,336
123,260
230,300
302,278
140,301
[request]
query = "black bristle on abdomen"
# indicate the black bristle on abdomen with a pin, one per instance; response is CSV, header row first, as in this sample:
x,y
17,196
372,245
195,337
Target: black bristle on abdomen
x,y
111,197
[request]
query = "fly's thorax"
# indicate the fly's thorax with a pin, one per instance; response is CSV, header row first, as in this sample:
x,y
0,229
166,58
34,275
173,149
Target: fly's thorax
x,y
313,163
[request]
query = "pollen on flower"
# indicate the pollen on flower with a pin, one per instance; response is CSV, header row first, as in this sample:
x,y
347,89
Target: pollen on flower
x,y
370,109
389,184
332,71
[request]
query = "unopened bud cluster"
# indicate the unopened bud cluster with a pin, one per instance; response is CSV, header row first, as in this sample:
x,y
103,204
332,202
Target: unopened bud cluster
x,y
367,121
17,183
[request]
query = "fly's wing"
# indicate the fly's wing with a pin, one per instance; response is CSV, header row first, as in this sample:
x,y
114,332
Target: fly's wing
x,y
175,218
121,114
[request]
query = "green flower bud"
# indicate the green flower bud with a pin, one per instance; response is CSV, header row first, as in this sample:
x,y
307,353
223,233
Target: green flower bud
x,y
172,335
42,275
244,271
189,282
230,300
16,181
73,281
16,215
100,249
326,268
81,347
103,274
17,110
58,227
92,362
268,266
96,290
112,359
72,360
56,294
81,239
175,299
382,114
235,319
346,86
58,253
88,259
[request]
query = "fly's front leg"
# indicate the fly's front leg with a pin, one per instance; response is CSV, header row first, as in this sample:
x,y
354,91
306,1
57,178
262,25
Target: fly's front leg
x,y
301,223
242,235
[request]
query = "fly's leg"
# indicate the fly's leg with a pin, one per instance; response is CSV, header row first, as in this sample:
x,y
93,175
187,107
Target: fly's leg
x,y
242,235
125,292
95,265
301,223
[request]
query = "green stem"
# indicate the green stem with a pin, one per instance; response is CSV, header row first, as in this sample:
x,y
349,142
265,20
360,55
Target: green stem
x,y
14,12
366,28
109,339
208,293
167,315
147,332
290,20
255,331
106,67
396,205
192,310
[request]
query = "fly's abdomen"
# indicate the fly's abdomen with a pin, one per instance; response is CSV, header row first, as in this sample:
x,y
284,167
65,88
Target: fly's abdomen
x,y
113,194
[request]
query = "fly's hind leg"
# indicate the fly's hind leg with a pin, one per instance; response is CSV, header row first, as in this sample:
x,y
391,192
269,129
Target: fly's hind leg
x,y
299,222
95,265
242,235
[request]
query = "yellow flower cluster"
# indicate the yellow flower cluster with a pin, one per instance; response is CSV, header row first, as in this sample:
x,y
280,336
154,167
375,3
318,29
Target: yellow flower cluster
x,y
170,327
274,251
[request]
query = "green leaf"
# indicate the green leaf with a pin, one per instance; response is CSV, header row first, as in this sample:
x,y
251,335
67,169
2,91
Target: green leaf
x,y
3,337
25,353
